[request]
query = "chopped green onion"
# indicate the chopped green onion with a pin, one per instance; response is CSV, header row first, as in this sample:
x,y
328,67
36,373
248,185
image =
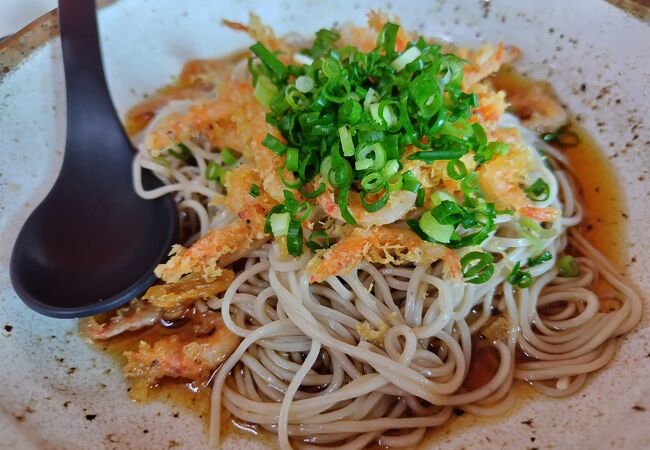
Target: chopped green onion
x,y
439,196
350,112
330,68
387,38
303,212
477,267
373,182
376,162
434,229
371,98
303,59
340,173
519,278
296,100
314,238
324,42
326,167
321,188
426,93
288,183
479,135
264,91
568,266
410,182
228,157
184,154
162,161
395,183
498,148
294,238
390,169
342,203
405,58
448,213
346,141
274,210
292,159
534,232
280,223
383,114
538,191
436,155
350,115
214,171
376,205
254,190
486,152
531,227
274,144
304,84
269,59
419,199
539,259
470,185
456,169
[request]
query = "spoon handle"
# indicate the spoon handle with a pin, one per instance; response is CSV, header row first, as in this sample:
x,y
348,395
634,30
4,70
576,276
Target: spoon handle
x,y
87,96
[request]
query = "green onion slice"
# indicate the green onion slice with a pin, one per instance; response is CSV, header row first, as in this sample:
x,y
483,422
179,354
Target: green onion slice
x,y
538,191
318,240
434,229
254,191
377,204
539,259
519,278
293,162
269,59
477,267
274,144
294,238
279,223
342,202
568,266
265,91
456,169
184,153
228,157
214,172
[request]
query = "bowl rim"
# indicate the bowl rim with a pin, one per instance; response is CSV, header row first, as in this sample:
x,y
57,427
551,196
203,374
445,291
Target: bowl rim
x,y
18,46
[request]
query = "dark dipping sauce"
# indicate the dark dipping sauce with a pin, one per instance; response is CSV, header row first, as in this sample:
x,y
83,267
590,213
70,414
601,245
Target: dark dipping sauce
x,y
602,226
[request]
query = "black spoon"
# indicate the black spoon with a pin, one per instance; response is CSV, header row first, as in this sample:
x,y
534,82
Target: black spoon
x,y
93,243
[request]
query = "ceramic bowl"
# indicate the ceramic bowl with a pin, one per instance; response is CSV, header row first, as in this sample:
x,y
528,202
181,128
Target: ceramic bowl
x,y
56,392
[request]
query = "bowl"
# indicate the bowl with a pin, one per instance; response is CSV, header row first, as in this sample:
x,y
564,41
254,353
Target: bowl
x,y
58,392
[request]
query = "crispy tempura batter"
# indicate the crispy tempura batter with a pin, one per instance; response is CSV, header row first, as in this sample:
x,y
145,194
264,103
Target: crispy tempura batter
x,y
188,290
179,357
380,245
222,246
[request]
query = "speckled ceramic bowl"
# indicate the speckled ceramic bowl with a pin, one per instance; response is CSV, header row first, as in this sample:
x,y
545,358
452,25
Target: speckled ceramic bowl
x,y
58,393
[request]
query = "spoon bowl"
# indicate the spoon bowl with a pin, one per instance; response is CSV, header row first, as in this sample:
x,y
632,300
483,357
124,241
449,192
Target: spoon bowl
x,y
92,244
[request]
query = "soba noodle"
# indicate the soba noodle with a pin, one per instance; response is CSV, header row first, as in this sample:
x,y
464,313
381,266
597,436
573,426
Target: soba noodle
x,y
303,370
